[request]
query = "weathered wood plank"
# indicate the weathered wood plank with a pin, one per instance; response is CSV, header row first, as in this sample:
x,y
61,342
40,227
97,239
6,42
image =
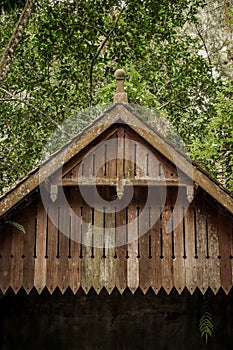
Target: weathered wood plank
x,y
63,262
143,223
157,249
121,251
16,261
52,258
155,270
132,261
98,262
133,267
102,181
145,252
214,253
40,261
110,152
5,251
202,261
166,260
129,156
29,223
178,258
120,153
75,239
87,261
191,257
110,260
225,245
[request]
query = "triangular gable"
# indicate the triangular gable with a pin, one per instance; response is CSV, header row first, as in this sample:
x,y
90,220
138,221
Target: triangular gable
x,y
119,113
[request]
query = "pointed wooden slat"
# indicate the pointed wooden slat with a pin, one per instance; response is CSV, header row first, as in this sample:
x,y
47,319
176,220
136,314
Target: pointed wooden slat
x,y
156,240
98,275
178,260
52,260
29,223
74,260
5,251
214,253
121,251
133,260
145,273
225,245
156,262
133,267
63,262
40,261
202,261
87,263
96,260
16,262
144,262
166,261
110,260
190,261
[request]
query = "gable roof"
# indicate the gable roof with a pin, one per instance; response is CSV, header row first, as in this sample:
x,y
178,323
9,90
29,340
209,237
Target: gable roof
x,y
118,113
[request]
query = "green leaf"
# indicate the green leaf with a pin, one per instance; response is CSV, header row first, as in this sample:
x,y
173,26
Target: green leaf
x,y
206,325
17,225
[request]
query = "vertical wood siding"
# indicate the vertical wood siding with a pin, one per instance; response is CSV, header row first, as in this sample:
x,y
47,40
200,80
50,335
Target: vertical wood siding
x,y
196,253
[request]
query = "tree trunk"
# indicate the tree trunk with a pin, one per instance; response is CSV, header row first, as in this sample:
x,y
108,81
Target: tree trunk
x,y
10,50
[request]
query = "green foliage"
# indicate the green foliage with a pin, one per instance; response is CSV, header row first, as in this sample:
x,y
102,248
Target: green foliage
x,y
216,152
66,60
206,325
16,225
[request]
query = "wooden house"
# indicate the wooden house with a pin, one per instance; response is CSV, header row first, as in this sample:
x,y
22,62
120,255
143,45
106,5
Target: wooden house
x,y
117,214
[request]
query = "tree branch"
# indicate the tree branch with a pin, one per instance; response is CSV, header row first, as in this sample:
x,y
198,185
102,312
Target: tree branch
x,y
15,39
204,44
98,53
166,84
27,103
165,104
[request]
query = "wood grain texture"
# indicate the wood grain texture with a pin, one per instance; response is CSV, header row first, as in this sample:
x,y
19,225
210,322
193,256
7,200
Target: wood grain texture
x,y
16,266
225,251
29,224
202,261
75,239
178,258
95,243
121,251
5,251
52,259
40,261
191,258
132,247
213,247
166,258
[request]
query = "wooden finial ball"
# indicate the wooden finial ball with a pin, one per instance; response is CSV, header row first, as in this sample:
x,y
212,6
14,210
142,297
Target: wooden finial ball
x,y
120,74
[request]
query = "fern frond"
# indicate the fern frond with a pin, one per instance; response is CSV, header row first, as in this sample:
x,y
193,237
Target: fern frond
x,y
206,325
17,225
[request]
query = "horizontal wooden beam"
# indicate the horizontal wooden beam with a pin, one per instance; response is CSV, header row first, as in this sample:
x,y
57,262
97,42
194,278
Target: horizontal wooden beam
x,y
113,182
